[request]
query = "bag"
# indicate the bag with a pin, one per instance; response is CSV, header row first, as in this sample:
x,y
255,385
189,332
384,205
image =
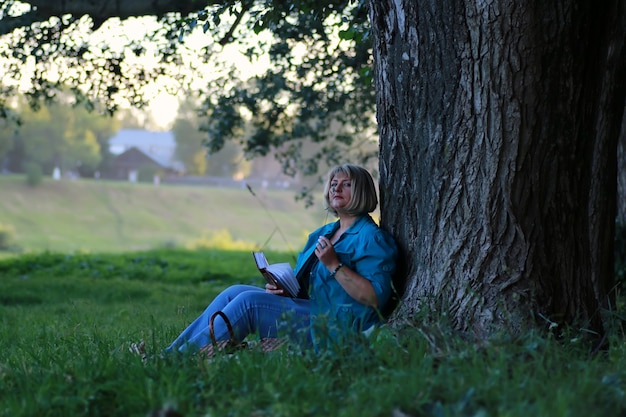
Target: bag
x,y
226,346
266,344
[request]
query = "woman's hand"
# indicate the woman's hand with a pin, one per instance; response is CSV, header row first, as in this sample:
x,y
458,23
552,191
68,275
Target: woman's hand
x,y
272,289
358,287
325,252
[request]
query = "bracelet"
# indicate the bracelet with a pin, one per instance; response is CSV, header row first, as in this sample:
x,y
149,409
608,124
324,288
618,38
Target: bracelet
x,y
332,274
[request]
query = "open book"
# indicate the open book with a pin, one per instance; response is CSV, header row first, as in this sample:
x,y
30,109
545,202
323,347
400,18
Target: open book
x,y
280,275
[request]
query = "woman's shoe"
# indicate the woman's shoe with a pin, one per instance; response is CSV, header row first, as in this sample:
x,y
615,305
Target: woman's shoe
x,y
139,349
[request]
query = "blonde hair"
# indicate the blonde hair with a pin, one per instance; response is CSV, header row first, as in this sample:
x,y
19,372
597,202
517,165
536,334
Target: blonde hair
x,y
363,200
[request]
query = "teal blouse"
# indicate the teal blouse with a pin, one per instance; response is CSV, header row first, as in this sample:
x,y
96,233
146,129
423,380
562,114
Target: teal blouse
x,y
365,249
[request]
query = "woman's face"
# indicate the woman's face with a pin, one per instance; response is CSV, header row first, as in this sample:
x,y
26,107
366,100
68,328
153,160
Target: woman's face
x,y
340,191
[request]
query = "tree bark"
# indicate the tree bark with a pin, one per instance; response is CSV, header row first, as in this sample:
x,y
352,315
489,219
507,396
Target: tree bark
x,y
498,133
621,174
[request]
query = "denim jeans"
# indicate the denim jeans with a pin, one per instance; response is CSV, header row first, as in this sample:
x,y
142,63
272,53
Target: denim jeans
x,y
250,310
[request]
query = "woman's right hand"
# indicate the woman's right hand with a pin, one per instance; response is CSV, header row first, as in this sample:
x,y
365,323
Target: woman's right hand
x,y
272,289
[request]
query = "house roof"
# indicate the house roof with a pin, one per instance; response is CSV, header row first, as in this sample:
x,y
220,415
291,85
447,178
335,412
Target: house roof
x,y
159,146
134,158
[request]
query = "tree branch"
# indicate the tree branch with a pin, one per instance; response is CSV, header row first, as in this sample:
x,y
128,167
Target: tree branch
x,y
99,11
9,24
228,37
105,9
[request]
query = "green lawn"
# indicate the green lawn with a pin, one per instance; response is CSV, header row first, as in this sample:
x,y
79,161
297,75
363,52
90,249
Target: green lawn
x,y
66,321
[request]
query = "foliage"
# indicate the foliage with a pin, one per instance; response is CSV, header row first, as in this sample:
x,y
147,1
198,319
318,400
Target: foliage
x,y
147,172
323,96
34,174
57,135
191,147
69,355
8,123
220,239
317,94
7,237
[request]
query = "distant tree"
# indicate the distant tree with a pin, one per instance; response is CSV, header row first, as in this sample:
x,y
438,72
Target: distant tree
x,y
58,135
93,126
6,142
9,121
190,149
227,162
128,118
7,237
85,151
34,174
191,146
41,138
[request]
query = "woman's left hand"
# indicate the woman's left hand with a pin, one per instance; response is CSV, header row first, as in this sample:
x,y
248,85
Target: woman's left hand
x,y
272,289
325,251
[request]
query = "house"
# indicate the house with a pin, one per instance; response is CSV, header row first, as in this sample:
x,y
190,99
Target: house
x,y
128,164
136,149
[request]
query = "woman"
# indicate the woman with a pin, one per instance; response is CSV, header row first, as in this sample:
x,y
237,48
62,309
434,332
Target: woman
x,y
344,270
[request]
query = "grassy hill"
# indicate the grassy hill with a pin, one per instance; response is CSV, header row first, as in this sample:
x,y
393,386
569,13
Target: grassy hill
x,y
103,216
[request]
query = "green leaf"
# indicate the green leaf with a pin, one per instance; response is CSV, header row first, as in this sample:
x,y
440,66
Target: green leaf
x,y
347,35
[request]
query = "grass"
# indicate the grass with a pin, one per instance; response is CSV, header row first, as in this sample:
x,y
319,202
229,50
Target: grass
x,y
67,319
104,264
106,216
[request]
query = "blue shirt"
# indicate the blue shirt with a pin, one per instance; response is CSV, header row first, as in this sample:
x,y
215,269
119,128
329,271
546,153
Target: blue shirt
x,y
365,249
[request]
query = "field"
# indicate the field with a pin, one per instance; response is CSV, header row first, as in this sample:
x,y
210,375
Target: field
x,y
100,216
70,307
66,322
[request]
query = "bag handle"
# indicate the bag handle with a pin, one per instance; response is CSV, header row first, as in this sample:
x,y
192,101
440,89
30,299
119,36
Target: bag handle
x,y
231,333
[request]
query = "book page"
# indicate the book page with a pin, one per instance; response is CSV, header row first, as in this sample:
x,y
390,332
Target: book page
x,y
283,272
261,261
280,274
262,265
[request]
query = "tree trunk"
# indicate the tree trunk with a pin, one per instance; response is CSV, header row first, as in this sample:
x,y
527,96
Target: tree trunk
x,y
498,129
621,173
